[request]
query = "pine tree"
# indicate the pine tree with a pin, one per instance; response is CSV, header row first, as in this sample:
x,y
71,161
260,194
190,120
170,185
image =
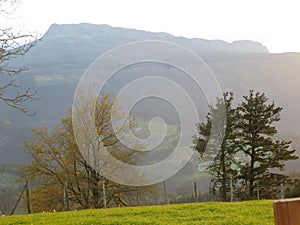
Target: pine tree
x,y
264,156
221,166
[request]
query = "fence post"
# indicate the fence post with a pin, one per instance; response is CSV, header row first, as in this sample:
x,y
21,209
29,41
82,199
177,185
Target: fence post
x,y
257,189
195,192
137,195
166,193
231,190
281,191
66,197
28,196
19,199
104,195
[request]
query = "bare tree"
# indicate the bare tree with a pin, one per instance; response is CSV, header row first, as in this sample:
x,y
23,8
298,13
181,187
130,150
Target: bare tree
x,y
12,45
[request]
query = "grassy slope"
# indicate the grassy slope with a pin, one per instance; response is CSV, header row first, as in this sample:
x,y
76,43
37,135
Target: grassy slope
x,y
252,212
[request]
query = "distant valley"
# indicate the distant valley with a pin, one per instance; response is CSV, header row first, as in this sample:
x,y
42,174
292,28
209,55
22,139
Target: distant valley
x,y
58,61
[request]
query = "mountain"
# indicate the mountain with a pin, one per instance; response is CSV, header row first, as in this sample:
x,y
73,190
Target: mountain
x,y
82,43
58,61
89,40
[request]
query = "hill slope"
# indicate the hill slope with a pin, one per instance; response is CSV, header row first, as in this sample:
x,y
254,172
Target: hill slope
x,y
252,212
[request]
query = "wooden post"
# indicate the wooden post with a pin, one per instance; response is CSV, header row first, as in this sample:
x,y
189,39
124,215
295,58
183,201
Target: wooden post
x,y
287,212
166,193
66,197
28,196
231,190
257,190
19,199
137,196
104,196
195,192
281,191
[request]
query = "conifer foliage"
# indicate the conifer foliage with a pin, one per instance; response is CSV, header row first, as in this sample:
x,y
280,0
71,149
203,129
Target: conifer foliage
x,y
249,156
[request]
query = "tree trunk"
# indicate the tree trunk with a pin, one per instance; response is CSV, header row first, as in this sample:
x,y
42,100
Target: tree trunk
x,y
251,180
224,179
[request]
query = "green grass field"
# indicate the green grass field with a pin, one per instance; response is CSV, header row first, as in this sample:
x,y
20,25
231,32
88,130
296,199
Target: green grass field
x,y
251,212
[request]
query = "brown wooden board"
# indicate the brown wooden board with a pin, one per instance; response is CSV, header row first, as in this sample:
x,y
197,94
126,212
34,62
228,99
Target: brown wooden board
x,y
287,212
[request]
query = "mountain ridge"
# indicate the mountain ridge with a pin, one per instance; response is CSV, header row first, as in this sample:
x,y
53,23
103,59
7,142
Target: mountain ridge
x,y
58,61
205,45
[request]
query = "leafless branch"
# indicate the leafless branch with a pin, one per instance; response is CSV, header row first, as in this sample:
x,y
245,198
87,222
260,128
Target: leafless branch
x,y
12,45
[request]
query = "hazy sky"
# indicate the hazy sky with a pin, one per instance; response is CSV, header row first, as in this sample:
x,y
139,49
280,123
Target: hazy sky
x,y
272,22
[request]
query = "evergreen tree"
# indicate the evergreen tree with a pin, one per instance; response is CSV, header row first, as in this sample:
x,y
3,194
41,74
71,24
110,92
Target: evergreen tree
x,y
264,156
221,166
294,191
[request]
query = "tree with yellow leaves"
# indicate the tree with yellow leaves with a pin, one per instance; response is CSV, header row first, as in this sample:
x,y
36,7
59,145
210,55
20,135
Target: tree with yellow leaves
x,y
58,163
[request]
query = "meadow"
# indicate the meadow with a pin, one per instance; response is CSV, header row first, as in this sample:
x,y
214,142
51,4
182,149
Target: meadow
x,y
248,212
